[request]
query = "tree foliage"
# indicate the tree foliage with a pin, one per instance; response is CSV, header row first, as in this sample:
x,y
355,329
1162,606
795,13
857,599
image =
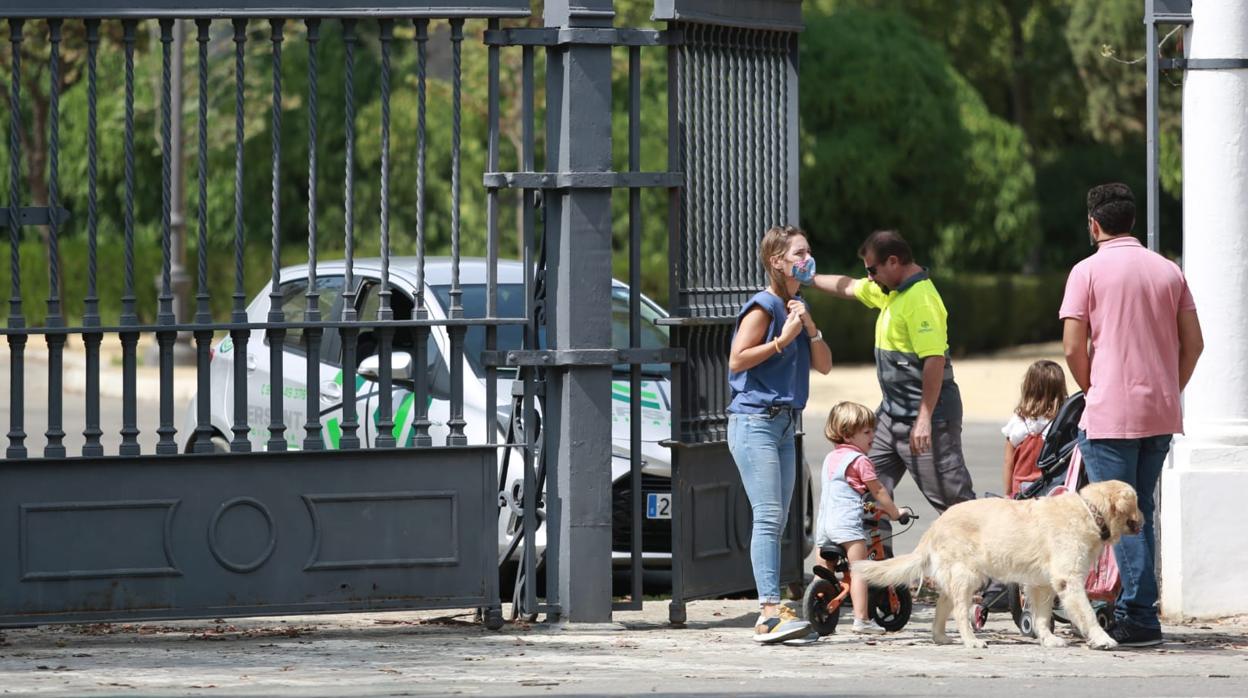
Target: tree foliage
x,y
896,138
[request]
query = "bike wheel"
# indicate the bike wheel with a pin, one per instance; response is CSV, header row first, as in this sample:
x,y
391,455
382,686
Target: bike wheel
x,y
891,607
815,606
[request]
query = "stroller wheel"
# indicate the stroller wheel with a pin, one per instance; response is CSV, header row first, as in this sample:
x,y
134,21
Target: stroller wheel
x,y
1027,623
1105,616
979,616
815,606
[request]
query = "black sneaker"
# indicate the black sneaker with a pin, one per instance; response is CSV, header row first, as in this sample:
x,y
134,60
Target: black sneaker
x,y
1128,634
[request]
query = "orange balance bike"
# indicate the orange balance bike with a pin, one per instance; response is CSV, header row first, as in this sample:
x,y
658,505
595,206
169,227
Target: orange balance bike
x,y
829,590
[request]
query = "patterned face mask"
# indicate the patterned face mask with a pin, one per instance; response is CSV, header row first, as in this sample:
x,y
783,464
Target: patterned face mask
x,y
804,271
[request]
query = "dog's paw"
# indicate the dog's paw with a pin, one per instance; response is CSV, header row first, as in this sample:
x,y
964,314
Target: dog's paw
x,y
942,639
1053,641
974,643
1103,642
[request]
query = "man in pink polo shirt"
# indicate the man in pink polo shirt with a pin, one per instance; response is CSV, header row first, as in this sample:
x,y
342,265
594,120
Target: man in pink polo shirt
x,y
1136,308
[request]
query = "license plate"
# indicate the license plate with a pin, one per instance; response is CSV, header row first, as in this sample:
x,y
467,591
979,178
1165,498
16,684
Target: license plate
x,y
659,505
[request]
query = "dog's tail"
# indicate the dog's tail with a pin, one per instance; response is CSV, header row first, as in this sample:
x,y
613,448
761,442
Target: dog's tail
x,y
903,569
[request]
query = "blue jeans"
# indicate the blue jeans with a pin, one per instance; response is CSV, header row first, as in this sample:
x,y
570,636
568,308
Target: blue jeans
x,y
765,454
1138,463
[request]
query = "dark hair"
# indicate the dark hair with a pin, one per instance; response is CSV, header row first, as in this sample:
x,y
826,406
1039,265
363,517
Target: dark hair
x,y
1113,207
884,244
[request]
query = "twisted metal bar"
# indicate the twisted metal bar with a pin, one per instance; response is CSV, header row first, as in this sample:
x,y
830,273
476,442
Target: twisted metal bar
x,y
276,39
455,421
239,313
91,340
165,313
349,40
422,40
385,402
203,314
457,40
165,316
15,176
55,434
349,438
387,36
239,429
420,420
312,312
277,336
129,340
54,179
91,313
314,29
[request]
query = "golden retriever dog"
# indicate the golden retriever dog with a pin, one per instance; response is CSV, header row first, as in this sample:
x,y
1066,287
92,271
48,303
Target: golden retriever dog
x,y
1047,545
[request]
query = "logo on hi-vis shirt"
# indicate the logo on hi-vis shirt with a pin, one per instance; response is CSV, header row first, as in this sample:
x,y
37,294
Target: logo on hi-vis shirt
x,y
925,326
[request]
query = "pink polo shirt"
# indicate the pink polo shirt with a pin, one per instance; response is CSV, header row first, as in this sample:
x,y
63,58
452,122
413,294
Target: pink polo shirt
x,y
1131,298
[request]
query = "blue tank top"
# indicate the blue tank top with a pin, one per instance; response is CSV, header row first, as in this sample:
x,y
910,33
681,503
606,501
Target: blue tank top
x,y
784,378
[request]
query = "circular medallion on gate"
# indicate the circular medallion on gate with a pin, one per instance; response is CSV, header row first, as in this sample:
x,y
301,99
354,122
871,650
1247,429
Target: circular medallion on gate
x,y
241,534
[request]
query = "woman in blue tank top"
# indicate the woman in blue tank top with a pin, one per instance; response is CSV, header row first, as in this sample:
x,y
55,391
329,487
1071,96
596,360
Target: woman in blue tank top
x,y
774,347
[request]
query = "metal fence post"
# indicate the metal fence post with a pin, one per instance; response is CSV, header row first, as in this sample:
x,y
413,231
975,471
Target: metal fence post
x,y
579,239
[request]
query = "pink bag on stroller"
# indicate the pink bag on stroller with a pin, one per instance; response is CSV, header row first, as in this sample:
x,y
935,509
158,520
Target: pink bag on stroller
x,y
1102,582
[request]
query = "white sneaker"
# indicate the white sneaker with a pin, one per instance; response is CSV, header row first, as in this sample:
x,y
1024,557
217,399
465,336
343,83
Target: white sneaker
x,y
868,627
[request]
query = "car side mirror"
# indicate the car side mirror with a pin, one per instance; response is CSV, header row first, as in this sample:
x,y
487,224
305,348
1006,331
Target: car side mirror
x,y
401,369
400,366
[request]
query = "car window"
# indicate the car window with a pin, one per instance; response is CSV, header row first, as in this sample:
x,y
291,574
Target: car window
x,y
294,300
511,304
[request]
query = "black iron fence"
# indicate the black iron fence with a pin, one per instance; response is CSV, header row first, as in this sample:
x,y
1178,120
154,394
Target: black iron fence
x,y
377,377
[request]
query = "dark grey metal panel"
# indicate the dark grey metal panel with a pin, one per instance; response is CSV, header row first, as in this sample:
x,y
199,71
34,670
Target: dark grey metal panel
x,y
784,15
247,534
267,8
1168,11
712,525
583,12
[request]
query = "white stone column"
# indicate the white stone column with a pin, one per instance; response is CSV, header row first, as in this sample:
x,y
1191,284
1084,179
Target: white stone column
x,y
1204,490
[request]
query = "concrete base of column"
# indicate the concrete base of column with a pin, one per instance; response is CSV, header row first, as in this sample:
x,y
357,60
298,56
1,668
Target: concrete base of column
x,y
1203,549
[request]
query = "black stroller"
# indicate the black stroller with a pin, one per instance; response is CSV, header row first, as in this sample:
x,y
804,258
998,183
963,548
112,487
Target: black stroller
x,y
1060,445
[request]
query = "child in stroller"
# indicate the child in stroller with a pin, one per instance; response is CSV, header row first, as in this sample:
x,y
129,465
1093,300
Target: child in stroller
x,y
1059,468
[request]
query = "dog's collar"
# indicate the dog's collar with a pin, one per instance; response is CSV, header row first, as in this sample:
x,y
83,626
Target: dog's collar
x,y
1097,518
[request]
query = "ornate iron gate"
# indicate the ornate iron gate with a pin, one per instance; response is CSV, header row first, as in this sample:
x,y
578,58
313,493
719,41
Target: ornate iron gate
x,y
733,91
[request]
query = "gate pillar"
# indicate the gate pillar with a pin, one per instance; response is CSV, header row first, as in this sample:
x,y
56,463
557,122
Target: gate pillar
x,y
578,229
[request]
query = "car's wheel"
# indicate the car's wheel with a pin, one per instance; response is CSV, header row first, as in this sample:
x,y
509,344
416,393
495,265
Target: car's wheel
x,y
220,444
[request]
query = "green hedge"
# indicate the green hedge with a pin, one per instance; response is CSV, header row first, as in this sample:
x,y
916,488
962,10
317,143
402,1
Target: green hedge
x,y
110,282
986,312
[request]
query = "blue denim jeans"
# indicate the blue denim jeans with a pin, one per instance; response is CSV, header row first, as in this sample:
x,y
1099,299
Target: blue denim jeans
x,y
764,451
1137,462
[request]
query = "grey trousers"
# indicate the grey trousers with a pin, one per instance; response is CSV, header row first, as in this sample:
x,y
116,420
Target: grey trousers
x,y
940,474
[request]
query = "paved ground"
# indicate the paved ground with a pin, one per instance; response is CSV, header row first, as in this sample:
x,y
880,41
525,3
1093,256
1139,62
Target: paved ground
x,y
432,654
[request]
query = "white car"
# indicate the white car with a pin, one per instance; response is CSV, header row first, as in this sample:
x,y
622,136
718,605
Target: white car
x,y
655,398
